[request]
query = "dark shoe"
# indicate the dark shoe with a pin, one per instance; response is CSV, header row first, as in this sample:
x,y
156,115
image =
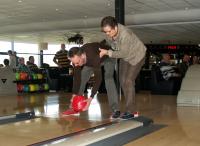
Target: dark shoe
x,y
116,114
127,115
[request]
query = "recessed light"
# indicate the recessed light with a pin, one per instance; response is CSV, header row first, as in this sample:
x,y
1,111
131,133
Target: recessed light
x,y
22,36
19,1
57,9
109,3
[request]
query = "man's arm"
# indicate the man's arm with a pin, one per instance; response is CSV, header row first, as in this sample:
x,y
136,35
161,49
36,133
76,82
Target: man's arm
x,y
55,60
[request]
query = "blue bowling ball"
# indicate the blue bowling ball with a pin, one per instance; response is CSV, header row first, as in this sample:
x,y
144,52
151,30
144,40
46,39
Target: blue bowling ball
x,y
26,88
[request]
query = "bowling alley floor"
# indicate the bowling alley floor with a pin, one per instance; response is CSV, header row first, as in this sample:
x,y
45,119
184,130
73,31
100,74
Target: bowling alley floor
x,y
182,123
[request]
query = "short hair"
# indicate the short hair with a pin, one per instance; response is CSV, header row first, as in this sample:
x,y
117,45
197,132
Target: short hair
x,y
75,51
10,52
108,21
30,57
20,59
62,45
6,62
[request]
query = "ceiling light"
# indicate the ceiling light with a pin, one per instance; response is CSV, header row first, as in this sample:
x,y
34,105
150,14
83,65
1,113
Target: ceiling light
x,y
57,9
22,36
186,8
109,3
19,1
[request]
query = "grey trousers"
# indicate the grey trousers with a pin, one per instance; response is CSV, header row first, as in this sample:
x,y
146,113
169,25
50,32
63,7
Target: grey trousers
x,y
127,77
109,67
86,73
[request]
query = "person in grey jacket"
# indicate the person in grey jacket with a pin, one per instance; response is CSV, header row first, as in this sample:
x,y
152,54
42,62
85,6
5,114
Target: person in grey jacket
x,y
131,51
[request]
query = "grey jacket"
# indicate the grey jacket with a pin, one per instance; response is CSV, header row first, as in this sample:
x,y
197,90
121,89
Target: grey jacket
x,y
127,46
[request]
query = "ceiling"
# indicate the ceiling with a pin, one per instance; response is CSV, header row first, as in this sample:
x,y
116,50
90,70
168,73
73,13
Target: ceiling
x,y
54,21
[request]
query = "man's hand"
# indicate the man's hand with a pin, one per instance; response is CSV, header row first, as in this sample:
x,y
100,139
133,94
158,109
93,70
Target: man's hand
x,y
103,52
89,100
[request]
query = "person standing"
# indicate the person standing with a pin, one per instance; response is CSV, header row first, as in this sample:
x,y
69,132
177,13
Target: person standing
x,y
131,51
61,59
183,66
16,57
12,60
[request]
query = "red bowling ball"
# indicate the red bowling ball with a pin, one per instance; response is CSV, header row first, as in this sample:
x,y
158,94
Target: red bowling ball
x,y
23,76
78,103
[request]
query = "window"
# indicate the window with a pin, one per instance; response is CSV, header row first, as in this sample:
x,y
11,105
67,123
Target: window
x,y
49,54
25,50
4,47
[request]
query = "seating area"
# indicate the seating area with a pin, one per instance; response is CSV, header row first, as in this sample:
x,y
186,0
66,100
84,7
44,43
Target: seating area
x,y
59,79
160,85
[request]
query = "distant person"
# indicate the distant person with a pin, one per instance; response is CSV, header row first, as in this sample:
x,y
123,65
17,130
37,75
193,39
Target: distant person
x,y
6,62
31,64
61,57
195,60
12,59
167,69
16,57
183,66
22,67
7,66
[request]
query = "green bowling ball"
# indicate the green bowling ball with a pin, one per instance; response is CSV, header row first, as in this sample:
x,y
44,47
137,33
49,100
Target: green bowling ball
x,y
46,87
17,76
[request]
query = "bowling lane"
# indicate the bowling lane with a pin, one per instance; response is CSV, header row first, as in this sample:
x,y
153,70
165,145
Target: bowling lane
x,y
50,124
41,129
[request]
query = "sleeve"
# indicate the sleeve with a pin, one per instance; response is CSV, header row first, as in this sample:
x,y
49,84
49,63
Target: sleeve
x,y
97,81
76,80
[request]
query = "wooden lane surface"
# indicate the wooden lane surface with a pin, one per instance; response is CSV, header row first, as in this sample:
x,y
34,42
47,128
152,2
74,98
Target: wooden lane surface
x,y
41,129
50,124
182,122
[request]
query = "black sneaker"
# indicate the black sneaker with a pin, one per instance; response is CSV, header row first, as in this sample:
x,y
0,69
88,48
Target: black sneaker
x,y
116,114
127,115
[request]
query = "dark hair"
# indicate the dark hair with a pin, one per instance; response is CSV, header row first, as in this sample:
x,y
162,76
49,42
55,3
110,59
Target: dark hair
x,y
6,62
75,51
30,57
108,21
9,52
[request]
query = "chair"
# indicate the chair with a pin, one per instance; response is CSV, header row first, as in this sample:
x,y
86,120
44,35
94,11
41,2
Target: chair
x,y
160,85
53,78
